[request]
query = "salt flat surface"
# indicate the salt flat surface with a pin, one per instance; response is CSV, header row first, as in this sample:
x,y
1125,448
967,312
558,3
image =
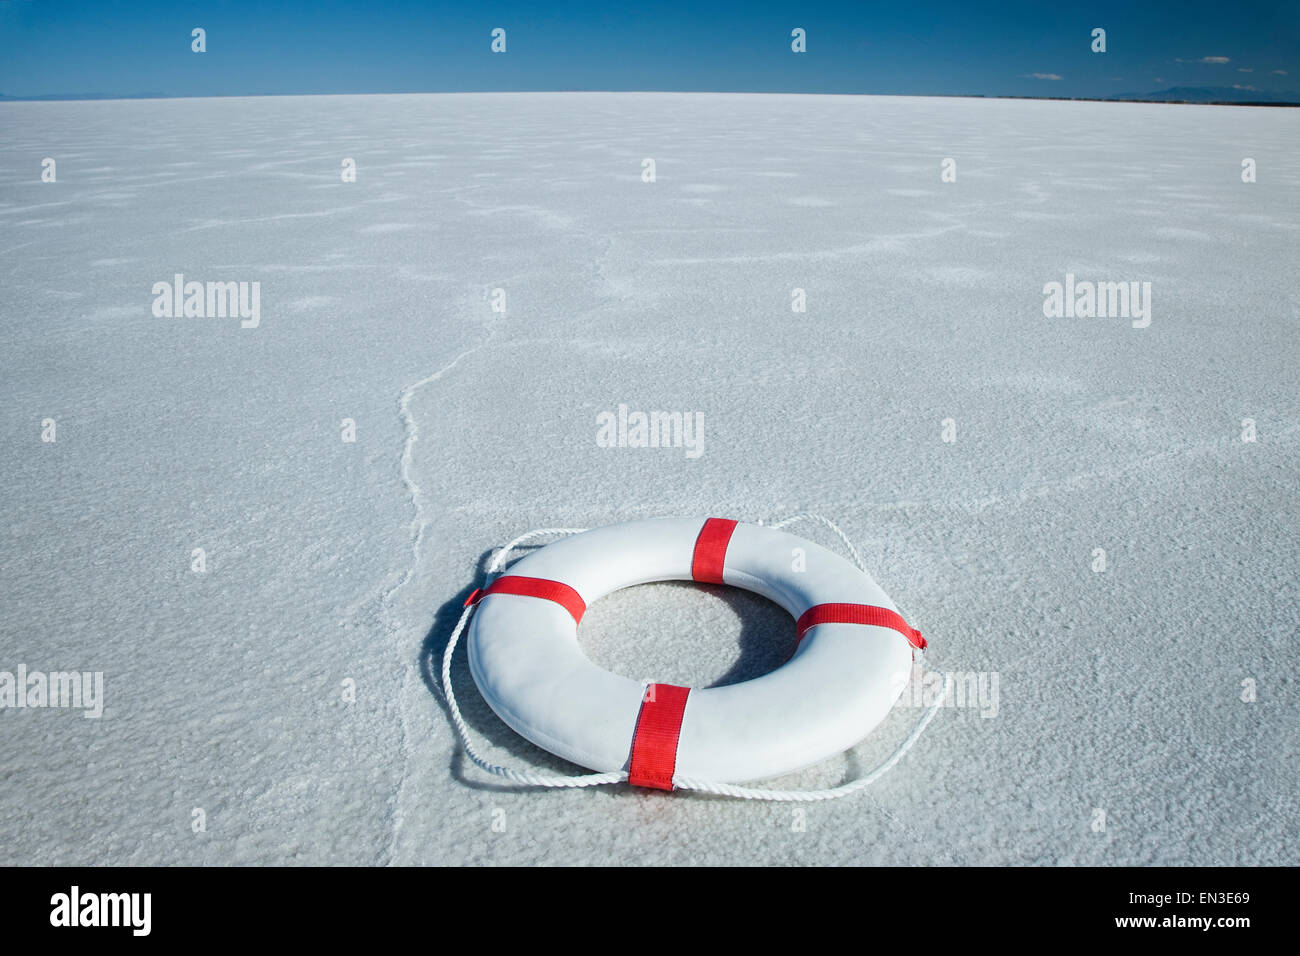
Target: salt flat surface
x,y
1119,691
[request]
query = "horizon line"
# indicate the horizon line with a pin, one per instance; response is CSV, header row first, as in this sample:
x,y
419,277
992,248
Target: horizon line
x,y
1118,98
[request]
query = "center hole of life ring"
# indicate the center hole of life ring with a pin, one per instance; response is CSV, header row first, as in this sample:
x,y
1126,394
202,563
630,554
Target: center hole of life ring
x,y
719,635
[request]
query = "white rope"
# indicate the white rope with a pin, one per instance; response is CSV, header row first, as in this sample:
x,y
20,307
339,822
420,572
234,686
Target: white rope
x,y
809,516
499,561
528,778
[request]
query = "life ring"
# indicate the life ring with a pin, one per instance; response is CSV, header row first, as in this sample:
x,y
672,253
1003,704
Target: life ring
x,y
851,664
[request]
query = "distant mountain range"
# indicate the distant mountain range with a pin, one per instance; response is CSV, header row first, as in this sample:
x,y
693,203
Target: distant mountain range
x,y
1211,94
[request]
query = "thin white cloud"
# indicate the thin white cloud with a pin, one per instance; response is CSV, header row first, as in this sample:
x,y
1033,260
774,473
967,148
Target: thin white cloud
x,y
1205,59
1044,76
1238,86
1244,69
1279,73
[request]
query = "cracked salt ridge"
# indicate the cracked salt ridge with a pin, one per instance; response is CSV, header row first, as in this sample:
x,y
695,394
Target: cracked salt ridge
x,y
418,526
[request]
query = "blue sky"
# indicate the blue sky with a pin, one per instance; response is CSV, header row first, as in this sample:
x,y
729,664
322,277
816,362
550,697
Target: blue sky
x,y
373,46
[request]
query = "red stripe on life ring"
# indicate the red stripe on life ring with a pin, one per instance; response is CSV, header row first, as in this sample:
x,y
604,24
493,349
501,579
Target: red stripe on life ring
x,y
711,550
543,588
654,745
858,614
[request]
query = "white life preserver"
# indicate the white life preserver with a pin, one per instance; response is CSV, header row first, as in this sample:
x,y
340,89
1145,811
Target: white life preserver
x,y
851,664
